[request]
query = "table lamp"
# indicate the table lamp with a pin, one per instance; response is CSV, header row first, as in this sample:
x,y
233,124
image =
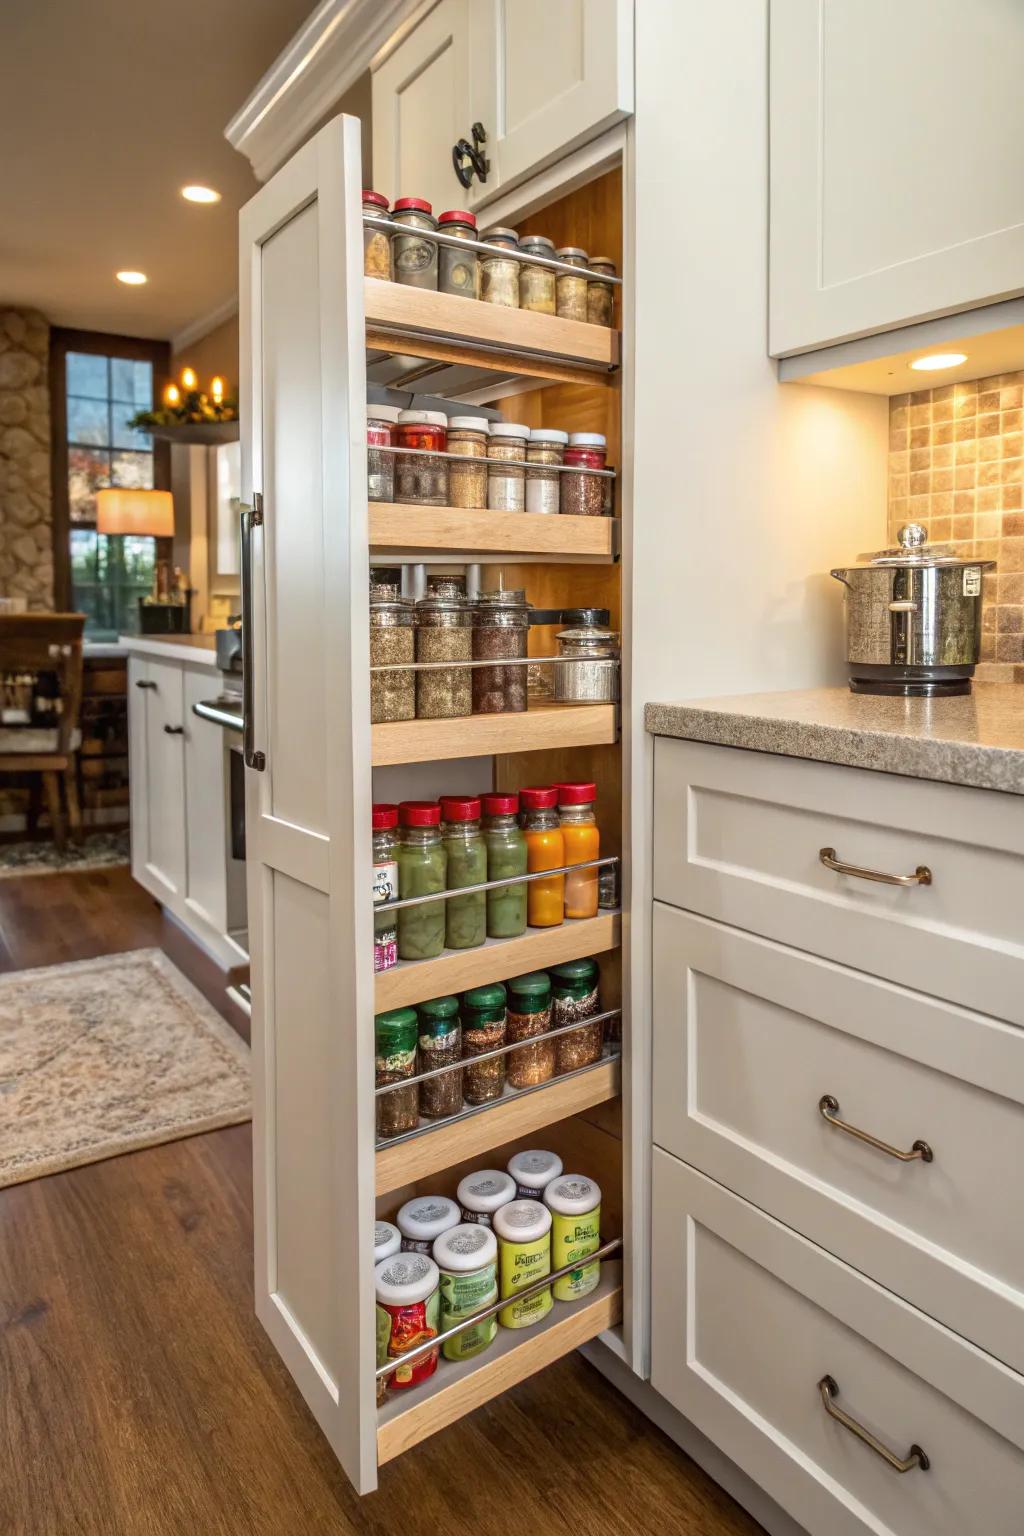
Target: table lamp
x,y
125,510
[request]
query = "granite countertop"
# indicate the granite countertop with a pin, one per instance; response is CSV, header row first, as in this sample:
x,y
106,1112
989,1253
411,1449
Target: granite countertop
x,y
200,649
976,740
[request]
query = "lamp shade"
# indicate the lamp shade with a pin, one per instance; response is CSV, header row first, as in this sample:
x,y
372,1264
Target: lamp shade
x,y
125,510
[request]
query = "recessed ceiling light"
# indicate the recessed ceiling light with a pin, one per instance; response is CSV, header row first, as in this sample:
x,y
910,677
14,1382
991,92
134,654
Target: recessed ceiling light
x,y
133,279
939,360
199,194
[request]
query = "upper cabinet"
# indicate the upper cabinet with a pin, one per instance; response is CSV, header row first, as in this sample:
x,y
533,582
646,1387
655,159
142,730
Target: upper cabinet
x,y
897,164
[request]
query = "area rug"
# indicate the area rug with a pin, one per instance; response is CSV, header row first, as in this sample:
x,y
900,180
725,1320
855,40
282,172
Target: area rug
x,y
105,1056
98,850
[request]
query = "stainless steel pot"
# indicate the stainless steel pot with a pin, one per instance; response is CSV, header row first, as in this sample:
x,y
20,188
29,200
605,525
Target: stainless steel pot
x,y
913,617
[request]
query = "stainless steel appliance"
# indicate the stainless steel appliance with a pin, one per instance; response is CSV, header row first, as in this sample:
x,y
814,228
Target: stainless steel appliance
x,y
913,617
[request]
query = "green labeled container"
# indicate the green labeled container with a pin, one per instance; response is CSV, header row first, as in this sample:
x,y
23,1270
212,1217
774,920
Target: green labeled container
x,y
396,1036
440,1042
467,1257
575,1205
483,1029
523,1230
422,871
574,997
465,916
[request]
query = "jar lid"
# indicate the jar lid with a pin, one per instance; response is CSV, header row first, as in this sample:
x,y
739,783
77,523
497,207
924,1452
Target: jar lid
x,y
572,1195
499,805
571,250
509,429
508,597
400,607
913,550
534,984
413,204
377,198
457,216
396,1029
405,1278
576,794
534,1168
522,1221
439,1007
500,235
538,797
434,602
587,440
384,816
419,813
424,418
460,808
531,242
593,636
383,412
486,1190
426,1216
601,261
549,435
469,424
493,995
466,1247
386,1240
574,971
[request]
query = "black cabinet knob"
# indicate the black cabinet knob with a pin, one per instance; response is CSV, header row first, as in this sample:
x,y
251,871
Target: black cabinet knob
x,y
143,682
175,730
463,151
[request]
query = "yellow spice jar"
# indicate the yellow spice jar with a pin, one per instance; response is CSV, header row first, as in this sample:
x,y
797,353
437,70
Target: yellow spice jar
x,y
575,1205
523,1230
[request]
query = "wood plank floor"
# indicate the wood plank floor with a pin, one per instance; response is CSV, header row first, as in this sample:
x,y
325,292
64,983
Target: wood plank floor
x,y
140,1397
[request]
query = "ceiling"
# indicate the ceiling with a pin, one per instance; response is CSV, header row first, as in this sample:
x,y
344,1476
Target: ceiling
x,y
106,110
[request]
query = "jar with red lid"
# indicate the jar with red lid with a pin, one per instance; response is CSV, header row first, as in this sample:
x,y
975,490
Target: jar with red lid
x,y
385,886
582,845
415,255
545,849
583,495
376,242
458,271
421,478
422,871
465,916
505,841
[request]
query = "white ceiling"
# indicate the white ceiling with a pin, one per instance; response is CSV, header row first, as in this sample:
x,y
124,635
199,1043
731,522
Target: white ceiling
x,y
107,109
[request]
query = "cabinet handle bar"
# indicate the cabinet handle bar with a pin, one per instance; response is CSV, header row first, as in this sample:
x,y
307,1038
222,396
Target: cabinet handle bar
x,y
828,1107
922,874
915,1457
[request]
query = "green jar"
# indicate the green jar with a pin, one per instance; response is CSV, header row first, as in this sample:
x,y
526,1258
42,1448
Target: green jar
x,y
465,916
483,1029
529,1014
440,1043
396,1037
422,870
506,856
574,997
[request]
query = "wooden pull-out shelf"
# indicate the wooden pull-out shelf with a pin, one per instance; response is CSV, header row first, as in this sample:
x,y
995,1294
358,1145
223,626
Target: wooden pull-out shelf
x,y
540,727
479,534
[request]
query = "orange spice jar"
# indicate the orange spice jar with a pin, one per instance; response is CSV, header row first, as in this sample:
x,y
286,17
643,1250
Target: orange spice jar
x,y
582,842
545,849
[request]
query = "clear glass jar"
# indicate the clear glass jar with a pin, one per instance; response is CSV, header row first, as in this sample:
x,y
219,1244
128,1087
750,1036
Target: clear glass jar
x,y
380,467
376,242
584,495
392,643
570,290
501,623
506,480
467,481
483,1029
537,284
415,259
600,296
422,871
458,271
465,916
546,447
444,633
499,274
440,1042
385,886
395,1036
545,849
574,997
421,478
506,857
592,675
582,842
529,1014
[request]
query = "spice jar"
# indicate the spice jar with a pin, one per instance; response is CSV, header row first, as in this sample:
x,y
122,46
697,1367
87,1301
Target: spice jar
x,y
376,242
590,674
385,886
386,1240
395,1036
545,849
582,842
574,996
483,1029
600,296
465,916
546,448
392,643
529,1014
440,1043
499,274
533,1172
444,634
575,1205
385,583
570,289
506,857
467,1258
446,585
501,621
422,1219
422,871
467,475
583,495
482,1193
523,1230
380,467
537,284
458,271
415,257
506,466
408,1314
421,478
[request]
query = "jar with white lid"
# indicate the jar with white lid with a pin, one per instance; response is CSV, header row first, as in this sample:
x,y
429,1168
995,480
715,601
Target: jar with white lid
x,y
467,475
408,1314
583,494
533,1172
506,466
575,1205
386,1240
484,1192
422,1220
467,1258
523,1230
380,467
544,453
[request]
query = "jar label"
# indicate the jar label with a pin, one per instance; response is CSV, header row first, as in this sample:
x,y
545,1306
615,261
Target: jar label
x,y
573,1238
385,881
400,1329
972,581
521,1265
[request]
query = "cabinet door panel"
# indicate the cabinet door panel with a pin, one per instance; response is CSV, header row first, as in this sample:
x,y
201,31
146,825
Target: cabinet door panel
x,y
138,774
421,108
206,801
164,864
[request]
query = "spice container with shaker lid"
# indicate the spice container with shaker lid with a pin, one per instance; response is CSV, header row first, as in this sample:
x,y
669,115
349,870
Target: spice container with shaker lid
x,y
380,466
574,997
533,1171
483,1030
440,1043
499,274
501,624
467,1257
575,1205
600,296
395,1036
467,475
376,242
570,289
523,1230
458,271
415,258
465,916
584,495
529,1015
422,871
392,644
408,1314
506,466
482,1193
537,284
421,477
590,672
444,634
422,1219
544,452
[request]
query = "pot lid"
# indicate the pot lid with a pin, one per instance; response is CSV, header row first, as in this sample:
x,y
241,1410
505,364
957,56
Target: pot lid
x,y
913,549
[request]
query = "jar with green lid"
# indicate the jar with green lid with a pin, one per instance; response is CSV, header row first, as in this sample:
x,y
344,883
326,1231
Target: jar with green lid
x,y
422,871
523,1230
483,1029
529,1014
575,1205
465,916
537,284
506,857
396,1037
501,622
467,1257
444,633
499,274
571,291
440,1042
574,996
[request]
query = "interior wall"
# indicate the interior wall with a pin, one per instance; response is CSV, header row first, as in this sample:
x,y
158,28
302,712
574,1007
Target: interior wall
x,y
215,353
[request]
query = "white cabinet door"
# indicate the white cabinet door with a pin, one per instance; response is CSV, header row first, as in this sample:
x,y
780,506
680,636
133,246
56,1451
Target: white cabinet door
x,y
158,791
421,108
206,796
897,163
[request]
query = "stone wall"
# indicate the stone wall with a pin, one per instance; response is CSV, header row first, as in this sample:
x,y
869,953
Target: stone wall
x,y
26,506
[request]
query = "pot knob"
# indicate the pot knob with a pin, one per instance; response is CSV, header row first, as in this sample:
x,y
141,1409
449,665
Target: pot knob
x,y
912,535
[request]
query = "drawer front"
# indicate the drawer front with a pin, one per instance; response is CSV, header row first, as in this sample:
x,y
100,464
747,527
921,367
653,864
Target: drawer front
x,y
738,834
748,1319
750,1036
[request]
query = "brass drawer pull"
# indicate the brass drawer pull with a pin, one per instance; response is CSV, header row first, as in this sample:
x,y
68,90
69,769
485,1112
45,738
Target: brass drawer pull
x,y
829,1110
915,1457
922,874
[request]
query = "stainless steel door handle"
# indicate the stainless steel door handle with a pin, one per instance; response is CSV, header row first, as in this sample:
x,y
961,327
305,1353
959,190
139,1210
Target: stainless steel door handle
x,y
251,517
922,874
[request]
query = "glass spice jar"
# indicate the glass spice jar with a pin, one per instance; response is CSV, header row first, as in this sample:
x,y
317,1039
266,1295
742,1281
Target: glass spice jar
x,y
415,258
380,467
537,284
483,1029
440,1042
385,886
422,871
590,672
421,478
444,634
545,450
501,623
600,296
583,495
376,242
506,466
467,476
395,1037
574,996
447,585
458,271
529,1014
392,644
570,290
506,857
582,844
465,916
545,849
499,274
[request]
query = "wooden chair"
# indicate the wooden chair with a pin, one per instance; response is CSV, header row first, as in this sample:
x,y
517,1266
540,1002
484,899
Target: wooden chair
x,y
52,643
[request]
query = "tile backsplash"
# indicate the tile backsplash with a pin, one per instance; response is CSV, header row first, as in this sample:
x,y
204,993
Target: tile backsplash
x,y
956,455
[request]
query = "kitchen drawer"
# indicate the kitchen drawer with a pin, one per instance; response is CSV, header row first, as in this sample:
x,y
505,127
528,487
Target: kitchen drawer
x,y
748,1318
737,836
748,1038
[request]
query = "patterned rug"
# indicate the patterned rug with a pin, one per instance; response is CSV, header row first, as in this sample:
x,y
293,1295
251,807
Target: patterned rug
x,y
98,850
106,1056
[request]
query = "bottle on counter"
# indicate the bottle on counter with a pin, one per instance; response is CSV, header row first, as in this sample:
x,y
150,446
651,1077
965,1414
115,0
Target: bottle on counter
x,y
408,1313
385,885
440,1045
467,1259
582,842
533,1172
545,849
506,857
465,916
483,1030
523,1230
422,871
